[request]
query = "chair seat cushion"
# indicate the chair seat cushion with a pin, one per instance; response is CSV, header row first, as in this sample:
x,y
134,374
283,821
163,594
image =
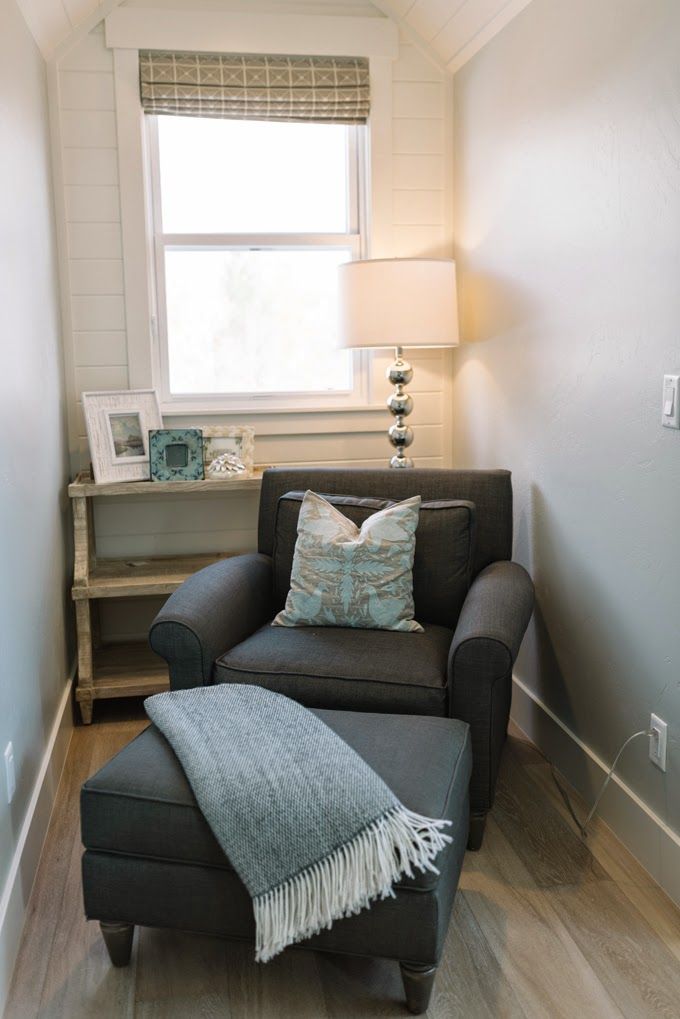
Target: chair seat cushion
x,y
140,803
348,669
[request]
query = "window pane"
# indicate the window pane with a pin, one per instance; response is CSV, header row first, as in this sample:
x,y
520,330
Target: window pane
x,y
254,321
238,176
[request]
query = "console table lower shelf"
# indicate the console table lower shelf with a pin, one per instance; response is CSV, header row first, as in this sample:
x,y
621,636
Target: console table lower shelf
x,y
127,669
122,670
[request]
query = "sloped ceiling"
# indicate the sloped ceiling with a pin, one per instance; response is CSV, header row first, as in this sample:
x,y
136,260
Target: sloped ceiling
x,y
452,31
449,31
52,21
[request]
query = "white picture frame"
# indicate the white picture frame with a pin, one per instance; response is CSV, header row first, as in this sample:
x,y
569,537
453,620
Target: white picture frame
x,y
237,439
118,424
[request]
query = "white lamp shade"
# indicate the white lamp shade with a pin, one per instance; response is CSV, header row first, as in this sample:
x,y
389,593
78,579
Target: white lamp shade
x,y
398,302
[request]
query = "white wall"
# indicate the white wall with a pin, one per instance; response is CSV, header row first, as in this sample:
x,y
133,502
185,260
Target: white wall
x,y
34,520
422,224
567,185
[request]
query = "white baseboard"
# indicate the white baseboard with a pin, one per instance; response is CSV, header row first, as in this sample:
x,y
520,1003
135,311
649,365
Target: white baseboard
x,y
15,894
643,833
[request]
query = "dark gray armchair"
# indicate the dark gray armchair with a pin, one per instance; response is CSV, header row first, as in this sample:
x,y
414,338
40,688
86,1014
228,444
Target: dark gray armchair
x,y
473,602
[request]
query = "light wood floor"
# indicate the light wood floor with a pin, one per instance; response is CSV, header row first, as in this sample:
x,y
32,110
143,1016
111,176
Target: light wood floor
x,y
544,927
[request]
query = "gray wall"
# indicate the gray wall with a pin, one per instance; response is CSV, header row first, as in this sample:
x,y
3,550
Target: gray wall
x,y
567,182
33,507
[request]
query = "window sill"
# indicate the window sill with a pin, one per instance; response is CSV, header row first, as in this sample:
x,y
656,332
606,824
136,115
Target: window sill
x,y
198,409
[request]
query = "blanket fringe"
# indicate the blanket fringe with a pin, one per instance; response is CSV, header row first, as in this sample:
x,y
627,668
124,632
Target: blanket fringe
x,y
347,880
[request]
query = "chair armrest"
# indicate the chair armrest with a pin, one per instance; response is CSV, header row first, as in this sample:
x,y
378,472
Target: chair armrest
x,y
485,645
497,610
212,611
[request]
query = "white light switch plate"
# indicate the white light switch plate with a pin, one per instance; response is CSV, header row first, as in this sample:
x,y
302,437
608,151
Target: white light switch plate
x,y
670,408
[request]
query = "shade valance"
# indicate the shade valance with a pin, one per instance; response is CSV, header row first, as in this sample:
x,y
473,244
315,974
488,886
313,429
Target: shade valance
x,y
238,86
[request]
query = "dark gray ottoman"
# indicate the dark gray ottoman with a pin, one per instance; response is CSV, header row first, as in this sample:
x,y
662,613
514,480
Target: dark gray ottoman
x,y
151,859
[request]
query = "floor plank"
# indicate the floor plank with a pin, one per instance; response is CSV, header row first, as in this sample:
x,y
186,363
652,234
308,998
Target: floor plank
x,y
620,865
629,958
48,891
361,988
616,860
553,851
79,979
58,949
545,925
177,973
471,981
549,973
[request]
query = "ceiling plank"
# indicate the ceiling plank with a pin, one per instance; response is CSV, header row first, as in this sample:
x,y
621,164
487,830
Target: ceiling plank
x,y
397,8
103,9
464,25
47,20
486,34
450,32
388,7
428,17
78,10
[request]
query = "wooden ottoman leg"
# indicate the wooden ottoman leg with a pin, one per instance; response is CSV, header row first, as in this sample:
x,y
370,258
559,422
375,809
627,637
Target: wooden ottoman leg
x,y
418,984
477,826
118,941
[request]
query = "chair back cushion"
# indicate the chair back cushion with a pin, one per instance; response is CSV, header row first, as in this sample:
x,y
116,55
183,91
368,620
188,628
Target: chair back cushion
x,y
490,491
445,540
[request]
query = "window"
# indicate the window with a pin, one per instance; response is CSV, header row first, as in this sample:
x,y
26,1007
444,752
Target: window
x,y
251,220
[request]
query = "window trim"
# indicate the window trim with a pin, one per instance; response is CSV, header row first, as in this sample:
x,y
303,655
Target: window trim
x,y
354,239
127,31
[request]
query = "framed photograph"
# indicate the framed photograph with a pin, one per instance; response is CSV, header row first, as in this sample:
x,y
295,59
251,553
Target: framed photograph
x,y
176,454
236,439
118,425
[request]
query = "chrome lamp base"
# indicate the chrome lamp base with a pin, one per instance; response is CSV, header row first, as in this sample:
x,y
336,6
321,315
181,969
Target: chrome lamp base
x,y
400,405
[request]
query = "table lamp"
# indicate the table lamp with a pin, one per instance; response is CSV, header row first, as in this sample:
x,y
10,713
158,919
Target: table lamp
x,y
398,302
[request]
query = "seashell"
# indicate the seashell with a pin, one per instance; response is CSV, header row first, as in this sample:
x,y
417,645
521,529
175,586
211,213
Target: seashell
x,y
226,463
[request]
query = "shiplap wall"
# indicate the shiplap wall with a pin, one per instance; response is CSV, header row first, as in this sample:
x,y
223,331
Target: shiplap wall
x,y
421,225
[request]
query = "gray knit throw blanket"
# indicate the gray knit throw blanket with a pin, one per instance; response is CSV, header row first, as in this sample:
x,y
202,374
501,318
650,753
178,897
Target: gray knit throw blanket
x,y
311,830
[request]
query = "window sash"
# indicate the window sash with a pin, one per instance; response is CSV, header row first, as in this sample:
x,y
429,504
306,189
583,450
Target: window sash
x,y
353,241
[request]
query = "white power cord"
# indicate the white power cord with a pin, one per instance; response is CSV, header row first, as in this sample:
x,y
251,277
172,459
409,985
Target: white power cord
x,y
582,826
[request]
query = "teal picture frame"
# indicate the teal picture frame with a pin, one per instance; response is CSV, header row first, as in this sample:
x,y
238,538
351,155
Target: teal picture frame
x,y
176,454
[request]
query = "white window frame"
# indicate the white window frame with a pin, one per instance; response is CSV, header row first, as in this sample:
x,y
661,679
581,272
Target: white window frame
x,y
353,239
130,29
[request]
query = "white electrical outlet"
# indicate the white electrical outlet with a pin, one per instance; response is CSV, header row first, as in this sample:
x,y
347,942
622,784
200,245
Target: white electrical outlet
x,y
9,772
658,742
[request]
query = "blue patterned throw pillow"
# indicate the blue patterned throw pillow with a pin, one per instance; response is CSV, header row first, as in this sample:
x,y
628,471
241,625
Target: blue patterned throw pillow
x,y
344,575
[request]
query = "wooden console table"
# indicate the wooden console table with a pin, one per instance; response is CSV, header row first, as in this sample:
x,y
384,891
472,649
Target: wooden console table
x,y
126,669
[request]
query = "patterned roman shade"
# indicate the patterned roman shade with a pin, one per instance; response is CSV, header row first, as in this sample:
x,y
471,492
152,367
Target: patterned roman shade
x,y
238,86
